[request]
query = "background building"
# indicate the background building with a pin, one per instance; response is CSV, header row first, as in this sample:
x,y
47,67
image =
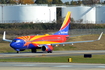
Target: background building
x,y
27,14
86,14
81,14
51,14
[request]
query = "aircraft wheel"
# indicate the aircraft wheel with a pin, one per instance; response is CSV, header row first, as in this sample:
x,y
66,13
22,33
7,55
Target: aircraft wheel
x,y
49,51
18,51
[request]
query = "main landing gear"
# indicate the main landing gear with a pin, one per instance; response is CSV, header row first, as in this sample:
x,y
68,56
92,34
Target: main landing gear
x,y
18,51
33,50
49,51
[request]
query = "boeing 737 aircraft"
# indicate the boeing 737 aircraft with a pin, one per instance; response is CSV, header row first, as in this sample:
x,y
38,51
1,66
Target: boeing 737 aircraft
x,y
46,41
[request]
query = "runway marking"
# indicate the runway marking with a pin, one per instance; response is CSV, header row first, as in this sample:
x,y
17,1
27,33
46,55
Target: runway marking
x,y
101,66
64,66
25,65
56,53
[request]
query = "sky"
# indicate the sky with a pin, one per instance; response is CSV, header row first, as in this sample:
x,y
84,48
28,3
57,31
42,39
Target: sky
x,y
74,0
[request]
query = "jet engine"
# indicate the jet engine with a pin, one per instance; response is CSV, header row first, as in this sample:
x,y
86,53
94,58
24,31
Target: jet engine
x,y
47,48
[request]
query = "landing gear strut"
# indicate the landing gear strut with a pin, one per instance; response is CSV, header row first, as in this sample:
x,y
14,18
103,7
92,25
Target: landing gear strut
x,y
33,50
49,51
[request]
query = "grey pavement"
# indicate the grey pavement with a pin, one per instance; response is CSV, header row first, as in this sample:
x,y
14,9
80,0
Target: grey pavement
x,y
50,66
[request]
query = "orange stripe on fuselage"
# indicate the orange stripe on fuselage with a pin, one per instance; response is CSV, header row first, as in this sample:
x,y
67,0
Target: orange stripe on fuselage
x,y
24,37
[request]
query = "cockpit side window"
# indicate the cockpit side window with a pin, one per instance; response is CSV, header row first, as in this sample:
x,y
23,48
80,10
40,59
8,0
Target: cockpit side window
x,y
13,40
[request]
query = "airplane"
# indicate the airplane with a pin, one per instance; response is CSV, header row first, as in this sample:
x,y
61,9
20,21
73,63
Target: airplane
x,y
44,42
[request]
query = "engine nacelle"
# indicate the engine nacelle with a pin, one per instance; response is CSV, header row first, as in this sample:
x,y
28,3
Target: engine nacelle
x,y
47,48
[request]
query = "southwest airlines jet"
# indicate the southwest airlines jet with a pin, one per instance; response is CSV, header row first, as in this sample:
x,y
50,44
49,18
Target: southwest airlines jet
x,y
44,42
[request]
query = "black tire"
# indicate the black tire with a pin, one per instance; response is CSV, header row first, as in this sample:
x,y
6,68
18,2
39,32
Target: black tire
x,y
18,51
49,51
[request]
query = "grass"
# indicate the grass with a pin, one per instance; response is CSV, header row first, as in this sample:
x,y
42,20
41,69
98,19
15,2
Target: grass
x,y
95,59
75,59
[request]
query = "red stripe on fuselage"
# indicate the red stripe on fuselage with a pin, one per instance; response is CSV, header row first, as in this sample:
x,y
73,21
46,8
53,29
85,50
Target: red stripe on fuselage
x,y
52,38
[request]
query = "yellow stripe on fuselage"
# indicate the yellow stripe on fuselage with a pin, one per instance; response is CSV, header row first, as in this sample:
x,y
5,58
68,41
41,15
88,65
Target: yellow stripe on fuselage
x,y
37,36
44,42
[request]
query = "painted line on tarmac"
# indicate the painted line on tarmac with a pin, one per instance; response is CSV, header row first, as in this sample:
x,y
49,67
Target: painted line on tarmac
x,y
101,66
64,66
25,65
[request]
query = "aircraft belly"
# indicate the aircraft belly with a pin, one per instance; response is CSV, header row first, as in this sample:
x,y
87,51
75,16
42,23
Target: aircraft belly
x,y
31,46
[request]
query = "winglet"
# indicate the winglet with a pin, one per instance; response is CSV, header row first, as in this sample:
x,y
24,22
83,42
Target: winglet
x,y
100,36
4,35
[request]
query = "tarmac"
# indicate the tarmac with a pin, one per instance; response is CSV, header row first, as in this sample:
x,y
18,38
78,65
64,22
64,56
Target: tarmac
x,y
50,66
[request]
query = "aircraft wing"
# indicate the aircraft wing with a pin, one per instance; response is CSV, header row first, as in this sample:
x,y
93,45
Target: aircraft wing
x,y
4,37
82,41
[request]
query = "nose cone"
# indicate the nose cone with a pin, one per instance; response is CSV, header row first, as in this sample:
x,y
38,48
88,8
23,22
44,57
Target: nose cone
x,y
12,45
17,44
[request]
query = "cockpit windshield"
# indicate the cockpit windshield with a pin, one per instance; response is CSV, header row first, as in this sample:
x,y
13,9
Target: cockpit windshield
x,y
15,40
